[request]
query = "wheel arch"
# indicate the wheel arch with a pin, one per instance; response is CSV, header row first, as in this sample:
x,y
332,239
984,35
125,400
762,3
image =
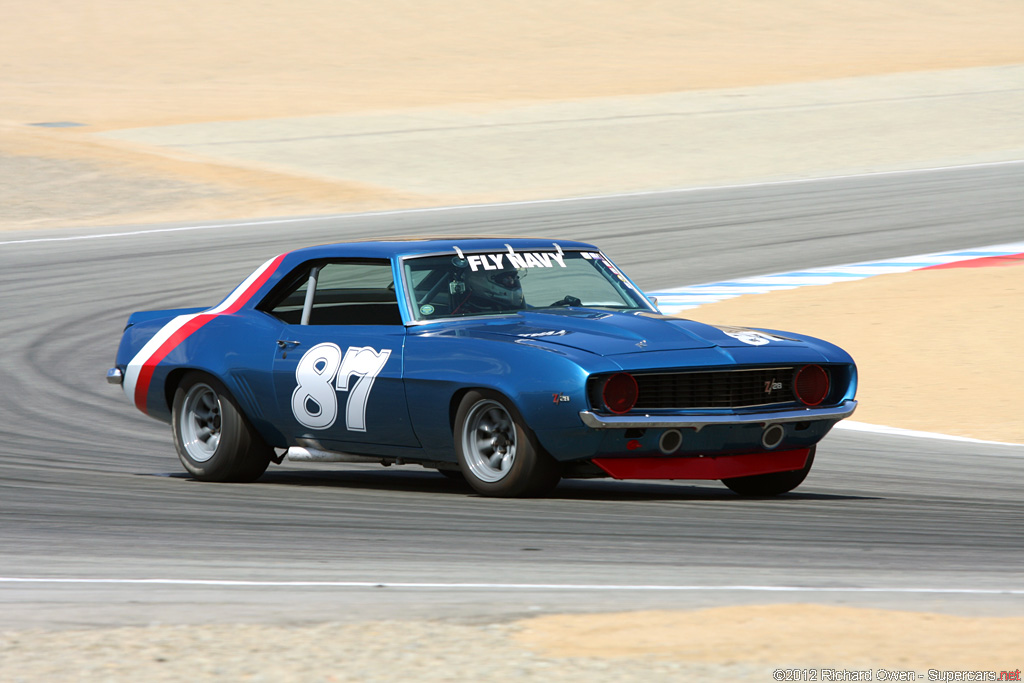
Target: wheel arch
x,y
173,381
454,403
460,394
240,454
525,469
177,374
441,369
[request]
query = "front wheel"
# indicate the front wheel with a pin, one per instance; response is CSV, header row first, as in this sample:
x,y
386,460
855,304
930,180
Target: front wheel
x,y
213,439
497,454
772,484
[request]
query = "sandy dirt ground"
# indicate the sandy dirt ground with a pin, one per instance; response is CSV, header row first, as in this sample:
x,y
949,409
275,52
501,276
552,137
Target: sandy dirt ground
x,y
801,635
110,65
920,367
733,643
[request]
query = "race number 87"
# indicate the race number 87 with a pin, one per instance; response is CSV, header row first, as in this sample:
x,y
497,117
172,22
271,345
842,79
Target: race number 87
x,y
323,371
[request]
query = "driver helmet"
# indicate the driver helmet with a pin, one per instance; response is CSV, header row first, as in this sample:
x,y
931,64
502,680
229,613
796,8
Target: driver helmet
x,y
498,289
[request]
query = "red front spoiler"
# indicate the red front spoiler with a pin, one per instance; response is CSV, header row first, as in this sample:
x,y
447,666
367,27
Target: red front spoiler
x,y
706,467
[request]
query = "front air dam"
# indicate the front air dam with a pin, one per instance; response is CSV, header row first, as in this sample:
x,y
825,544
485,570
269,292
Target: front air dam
x,y
699,467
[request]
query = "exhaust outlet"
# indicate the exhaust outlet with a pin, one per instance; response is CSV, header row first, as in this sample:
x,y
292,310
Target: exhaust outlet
x,y
670,441
772,436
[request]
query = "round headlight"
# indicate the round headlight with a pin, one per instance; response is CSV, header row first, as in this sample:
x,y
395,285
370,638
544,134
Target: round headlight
x,y
620,392
811,385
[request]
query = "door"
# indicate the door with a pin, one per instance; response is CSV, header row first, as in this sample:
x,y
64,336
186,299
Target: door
x,y
339,358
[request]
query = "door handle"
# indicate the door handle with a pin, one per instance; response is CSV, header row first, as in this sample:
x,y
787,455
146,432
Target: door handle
x,y
285,343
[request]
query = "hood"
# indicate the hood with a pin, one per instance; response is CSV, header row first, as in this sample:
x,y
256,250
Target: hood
x,y
608,333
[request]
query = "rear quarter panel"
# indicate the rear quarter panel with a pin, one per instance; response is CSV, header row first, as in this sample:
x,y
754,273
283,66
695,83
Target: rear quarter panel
x,y
238,349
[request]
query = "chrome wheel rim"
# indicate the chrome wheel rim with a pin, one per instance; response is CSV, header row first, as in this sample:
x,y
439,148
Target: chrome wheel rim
x,y
489,441
200,422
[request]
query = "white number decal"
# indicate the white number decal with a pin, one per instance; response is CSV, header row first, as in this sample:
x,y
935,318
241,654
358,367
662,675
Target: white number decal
x,y
314,402
365,363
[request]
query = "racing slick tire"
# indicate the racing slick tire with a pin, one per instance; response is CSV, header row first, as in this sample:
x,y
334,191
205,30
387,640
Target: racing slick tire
x,y
772,484
213,439
498,454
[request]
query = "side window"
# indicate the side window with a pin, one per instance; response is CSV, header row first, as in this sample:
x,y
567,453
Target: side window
x,y
347,293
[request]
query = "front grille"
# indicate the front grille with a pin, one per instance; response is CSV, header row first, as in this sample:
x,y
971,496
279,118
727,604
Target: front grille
x,y
715,389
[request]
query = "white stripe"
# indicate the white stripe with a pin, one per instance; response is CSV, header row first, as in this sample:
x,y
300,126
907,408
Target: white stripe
x,y
224,583
897,431
131,374
868,270
532,202
723,292
675,301
793,281
240,289
801,279
686,300
849,270
731,287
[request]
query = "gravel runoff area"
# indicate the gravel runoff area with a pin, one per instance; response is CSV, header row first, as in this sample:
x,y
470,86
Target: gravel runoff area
x,y
378,651
749,643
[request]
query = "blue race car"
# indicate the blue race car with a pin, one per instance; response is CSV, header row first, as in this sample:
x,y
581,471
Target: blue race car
x,y
510,362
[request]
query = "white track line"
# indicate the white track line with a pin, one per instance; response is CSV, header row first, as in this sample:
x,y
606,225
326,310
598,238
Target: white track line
x,y
532,202
897,431
513,586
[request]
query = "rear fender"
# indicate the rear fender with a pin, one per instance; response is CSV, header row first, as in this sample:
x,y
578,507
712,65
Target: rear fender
x,y
237,349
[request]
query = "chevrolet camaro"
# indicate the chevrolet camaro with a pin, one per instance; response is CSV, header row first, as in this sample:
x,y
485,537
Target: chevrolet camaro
x,y
510,363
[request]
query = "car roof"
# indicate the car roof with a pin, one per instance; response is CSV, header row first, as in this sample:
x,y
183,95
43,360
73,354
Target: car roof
x,y
387,247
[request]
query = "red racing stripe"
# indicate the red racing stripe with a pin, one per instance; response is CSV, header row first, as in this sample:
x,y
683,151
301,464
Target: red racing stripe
x,y
254,287
985,262
189,328
149,367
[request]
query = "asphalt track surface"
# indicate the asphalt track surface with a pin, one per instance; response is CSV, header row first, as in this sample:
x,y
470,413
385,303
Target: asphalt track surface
x,y
90,489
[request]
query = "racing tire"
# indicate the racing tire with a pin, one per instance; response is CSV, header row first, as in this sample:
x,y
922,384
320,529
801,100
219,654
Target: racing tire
x,y
499,456
452,475
772,484
213,439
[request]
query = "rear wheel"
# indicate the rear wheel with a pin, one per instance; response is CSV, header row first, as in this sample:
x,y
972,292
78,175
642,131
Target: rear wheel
x,y
497,454
772,484
213,439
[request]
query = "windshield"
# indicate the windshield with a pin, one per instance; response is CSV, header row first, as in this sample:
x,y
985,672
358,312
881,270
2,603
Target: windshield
x,y
473,284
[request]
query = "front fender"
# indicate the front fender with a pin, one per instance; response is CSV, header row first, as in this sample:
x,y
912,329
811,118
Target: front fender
x,y
547,385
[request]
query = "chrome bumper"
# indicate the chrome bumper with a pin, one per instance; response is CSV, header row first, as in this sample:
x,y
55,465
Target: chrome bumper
x,y
115,376
698,422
